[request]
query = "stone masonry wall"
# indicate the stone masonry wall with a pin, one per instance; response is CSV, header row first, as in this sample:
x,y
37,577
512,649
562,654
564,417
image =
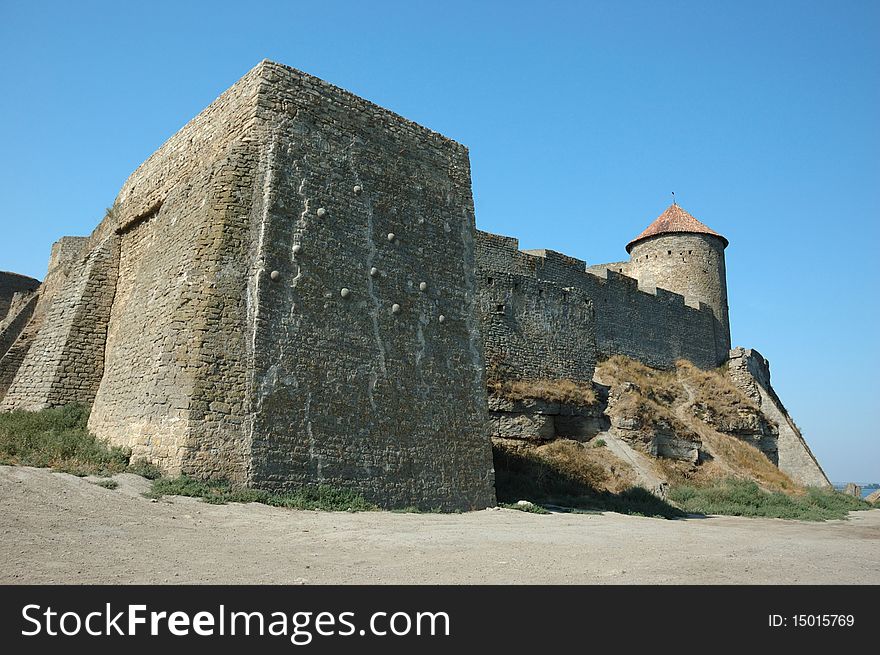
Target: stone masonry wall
x,y
20,312
21,333
369,370
691,265
178,344
232,350
751,373
66,360
655,327
535,330
10,284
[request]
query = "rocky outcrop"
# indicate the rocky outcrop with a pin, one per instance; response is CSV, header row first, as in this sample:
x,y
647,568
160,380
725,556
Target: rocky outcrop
x,y
873,497
751,373
748,424
538,421
649,427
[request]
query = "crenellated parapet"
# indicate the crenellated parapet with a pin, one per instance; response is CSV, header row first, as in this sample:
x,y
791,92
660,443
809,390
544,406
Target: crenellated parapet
x,y
653,325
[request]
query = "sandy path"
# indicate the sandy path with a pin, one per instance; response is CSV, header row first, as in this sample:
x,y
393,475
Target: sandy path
x,y
58,528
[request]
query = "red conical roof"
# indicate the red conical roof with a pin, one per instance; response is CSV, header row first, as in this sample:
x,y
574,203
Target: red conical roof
x,y
674,219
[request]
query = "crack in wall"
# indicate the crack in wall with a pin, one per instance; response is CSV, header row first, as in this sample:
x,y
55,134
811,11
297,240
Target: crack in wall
x,y
371,256
313,454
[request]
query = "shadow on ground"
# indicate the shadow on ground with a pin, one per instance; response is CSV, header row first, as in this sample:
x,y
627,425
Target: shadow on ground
x,y
521,477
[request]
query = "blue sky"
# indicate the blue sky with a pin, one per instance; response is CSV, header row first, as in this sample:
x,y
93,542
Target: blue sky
x,y
581,119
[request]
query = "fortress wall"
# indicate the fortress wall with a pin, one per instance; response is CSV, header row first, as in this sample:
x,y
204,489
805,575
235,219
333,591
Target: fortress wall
x,y
10,284
346,391
64,260
532,329
751,373
13,343
65,361
174,384
655,327
20,311
66,251
535,330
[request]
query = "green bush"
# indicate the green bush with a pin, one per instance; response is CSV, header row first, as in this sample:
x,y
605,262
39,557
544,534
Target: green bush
x,y
736,497
144,469
219,492
57,438
531,508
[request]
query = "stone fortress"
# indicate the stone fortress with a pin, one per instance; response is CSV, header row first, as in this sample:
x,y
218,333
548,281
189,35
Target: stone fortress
x,y
292,291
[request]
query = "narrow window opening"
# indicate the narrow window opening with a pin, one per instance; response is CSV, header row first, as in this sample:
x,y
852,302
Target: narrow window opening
x,y
499,309
489,280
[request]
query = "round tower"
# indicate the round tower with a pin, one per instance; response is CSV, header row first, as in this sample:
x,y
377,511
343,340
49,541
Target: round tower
x,y
678,253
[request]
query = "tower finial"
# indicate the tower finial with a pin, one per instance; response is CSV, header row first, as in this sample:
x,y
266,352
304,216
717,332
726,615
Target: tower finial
x,y
673,198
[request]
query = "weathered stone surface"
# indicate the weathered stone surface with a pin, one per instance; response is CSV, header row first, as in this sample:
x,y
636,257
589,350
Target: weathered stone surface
x,y
196,362
852,489
526,427
873,497
527,405
545,314
751,373
539,420
580,428
11,284
668,445
65,364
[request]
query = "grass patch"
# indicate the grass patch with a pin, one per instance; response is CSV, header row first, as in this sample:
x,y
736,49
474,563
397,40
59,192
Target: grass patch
x,y
717,401
598,443
554,391
144,469
57,438
735,497
531,508
220,492
107,483
569,475
646,396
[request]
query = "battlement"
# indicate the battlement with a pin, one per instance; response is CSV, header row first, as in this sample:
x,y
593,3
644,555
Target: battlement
x,y
654,325
66,251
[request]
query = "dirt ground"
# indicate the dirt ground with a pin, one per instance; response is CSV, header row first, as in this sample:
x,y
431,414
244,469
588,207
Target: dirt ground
x,y
57,528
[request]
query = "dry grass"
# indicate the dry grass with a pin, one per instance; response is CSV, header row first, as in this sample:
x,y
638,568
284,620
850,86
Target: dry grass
x,y
717,400
595,467
742,460
646,395
554,391
658,398
660,386
571,474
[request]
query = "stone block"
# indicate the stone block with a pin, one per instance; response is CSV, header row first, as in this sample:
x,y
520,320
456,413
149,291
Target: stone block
x,y
527,427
